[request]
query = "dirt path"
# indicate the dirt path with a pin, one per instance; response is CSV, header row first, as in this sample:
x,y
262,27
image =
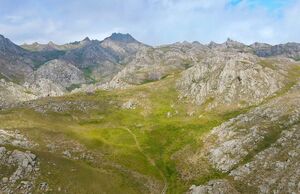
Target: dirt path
x,y
151,161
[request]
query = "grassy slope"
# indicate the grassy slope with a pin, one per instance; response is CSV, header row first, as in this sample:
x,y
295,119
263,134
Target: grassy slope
x,y
111,131
141,140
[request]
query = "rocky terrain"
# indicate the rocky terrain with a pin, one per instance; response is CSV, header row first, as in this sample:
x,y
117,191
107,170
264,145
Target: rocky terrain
x,y
19,168
120,116
257,149
232,79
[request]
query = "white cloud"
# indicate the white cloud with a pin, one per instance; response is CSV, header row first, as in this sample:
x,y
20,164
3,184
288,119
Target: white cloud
x,y
151,21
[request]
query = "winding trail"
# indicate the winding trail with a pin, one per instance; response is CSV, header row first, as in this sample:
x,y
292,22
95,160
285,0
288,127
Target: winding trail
x,y
151,161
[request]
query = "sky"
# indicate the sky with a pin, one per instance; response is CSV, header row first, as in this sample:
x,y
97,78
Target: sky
x,y
154,22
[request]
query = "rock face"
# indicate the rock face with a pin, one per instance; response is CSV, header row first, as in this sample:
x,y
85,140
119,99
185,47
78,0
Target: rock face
x,y
11,93
259,149
14,61
60,73
103,59
26,168
152,64
283,158
54,47
44,87
234,142
119,37
22,167
291,50
229,78
14,138
214,187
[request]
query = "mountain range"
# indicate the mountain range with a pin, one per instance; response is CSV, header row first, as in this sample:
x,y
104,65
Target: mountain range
x,y
115,62
121,116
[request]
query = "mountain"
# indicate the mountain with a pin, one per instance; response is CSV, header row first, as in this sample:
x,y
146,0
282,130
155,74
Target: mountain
x,y
102,59
291,50
120,116
15,62
119,37
231,79
61,73
51,46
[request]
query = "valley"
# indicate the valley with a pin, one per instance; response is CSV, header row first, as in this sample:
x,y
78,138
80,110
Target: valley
x,y
119,116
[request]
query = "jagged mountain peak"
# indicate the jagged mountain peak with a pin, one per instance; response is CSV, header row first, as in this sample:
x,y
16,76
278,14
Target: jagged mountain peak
x,y
259,45
126,38
51,43
8,46
230,42
212,44
86,39
1,37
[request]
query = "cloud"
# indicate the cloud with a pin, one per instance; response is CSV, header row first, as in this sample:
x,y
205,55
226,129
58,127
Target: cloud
x,y
151,21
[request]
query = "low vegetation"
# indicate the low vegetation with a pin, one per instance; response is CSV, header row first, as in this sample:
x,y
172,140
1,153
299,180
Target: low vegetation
x,y
125,141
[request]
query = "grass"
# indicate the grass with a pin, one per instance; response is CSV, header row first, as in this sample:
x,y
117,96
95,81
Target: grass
x,y
267,63
79,177
88,73
73,86
102,130
268,140
125,142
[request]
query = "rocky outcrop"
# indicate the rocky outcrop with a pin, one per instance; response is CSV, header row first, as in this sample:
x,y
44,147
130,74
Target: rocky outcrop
x,y
236,138
291,50
26,170
230,46
282,158
21,168
14,138
15,62
214,187
152,64
61,73
103,59
229,78
12,93
45,87
37,47
259,149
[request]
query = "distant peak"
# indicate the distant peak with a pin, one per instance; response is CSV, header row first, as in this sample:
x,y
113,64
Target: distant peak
x,y
86,39
212,44
3,39
51,43
233,43
230,40
35,43
127,38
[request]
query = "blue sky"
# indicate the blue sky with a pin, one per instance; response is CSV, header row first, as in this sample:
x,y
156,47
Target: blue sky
x,y
154,22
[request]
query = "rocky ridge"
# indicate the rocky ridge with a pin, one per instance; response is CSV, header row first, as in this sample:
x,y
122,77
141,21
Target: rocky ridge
x,y
257,149
120,61
230,78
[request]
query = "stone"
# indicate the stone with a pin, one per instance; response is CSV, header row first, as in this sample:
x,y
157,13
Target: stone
x,y
129,105
5,179
43,186
67,153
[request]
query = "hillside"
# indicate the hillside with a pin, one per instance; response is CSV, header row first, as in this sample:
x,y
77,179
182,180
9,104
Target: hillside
x,y
120,116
